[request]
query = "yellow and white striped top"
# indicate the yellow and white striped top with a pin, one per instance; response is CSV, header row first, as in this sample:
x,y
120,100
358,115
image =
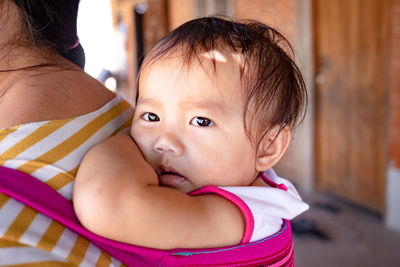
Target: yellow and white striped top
x,y
51,151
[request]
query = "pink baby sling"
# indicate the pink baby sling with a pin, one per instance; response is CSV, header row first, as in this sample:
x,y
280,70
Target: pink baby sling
x,y
275,250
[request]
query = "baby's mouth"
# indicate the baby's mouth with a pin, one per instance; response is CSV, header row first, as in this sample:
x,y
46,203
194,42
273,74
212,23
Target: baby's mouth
x,y
168,176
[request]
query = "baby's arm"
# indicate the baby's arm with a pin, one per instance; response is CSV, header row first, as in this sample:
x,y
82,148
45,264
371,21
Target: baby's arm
x,y
116,195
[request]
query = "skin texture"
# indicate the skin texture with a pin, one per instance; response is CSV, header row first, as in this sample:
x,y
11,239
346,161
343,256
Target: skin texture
x,y
183,153
49,94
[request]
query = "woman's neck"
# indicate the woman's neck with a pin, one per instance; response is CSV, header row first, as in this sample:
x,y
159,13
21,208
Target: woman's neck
x,y
14,58
17,63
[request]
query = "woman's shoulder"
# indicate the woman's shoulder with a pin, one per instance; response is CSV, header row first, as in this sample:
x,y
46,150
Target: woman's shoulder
x,y
52,96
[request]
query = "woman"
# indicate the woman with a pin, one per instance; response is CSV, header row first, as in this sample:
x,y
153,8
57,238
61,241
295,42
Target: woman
x,y
51,113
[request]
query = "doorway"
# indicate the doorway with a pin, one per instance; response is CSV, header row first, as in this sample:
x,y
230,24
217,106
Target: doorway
x,y
351,89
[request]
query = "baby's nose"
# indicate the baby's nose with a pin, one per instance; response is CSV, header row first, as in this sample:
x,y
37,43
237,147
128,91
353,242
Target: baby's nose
x,y
168,143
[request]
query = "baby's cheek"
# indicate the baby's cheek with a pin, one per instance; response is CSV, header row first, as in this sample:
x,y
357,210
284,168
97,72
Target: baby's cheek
x,y
138,133
143,141
133,132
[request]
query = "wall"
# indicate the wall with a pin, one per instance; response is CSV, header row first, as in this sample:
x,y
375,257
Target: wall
x,y
393,173
179,12
280,14
395,84
302,147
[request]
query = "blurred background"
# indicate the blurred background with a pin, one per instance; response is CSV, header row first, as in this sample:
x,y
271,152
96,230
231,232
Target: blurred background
x,y
345,159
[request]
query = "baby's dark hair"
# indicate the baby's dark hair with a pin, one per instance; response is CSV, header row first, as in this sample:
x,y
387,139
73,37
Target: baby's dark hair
x,y
275,90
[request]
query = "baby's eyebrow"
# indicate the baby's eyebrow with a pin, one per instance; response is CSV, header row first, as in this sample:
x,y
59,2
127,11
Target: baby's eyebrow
x,y
206,105
148,101
211,105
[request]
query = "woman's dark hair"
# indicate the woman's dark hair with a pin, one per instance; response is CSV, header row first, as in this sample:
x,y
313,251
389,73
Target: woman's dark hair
x,y
276,93
53,23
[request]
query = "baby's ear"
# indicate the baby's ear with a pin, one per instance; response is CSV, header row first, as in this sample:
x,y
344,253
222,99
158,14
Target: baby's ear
x,y
272,147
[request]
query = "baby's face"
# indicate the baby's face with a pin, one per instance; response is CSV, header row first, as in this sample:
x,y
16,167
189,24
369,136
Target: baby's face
x,y
189,124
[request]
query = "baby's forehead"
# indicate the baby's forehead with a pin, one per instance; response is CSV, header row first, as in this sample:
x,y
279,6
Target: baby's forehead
x,y
214,63
214,73
188,54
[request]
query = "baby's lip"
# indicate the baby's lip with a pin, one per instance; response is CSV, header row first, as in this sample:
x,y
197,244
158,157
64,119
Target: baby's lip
x,y
167,169
168,176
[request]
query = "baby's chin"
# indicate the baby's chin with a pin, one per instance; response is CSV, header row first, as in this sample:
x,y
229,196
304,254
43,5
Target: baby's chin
x,y
187,188
177,182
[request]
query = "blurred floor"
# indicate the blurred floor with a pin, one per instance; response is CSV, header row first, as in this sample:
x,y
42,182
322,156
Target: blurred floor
x,y
333,234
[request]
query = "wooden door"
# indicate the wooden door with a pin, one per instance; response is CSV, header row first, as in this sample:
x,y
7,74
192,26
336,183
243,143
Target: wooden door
x,y
351,89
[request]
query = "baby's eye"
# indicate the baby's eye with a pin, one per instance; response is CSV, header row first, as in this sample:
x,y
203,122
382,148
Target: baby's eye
x,y
150,117
201,121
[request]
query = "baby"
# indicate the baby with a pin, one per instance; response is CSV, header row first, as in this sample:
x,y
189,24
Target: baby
x,y
216,103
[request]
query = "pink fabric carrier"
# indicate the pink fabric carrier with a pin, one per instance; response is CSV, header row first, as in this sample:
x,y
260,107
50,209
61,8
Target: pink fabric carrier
x,y
275,250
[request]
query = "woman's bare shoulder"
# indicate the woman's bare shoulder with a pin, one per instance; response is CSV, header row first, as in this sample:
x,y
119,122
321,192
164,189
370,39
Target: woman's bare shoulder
x,y
51,95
